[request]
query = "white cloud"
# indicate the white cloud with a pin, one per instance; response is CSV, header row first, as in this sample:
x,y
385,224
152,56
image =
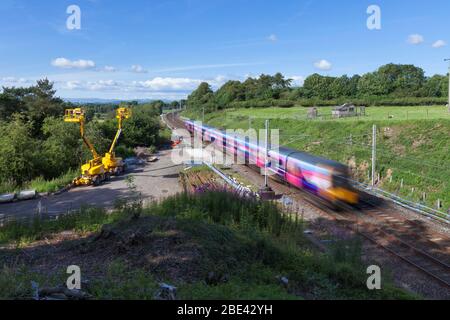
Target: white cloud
x,y
72,85
101,85
138,69
219,80
323,65
109,69
208,66
159,83
439,44
76,64
415,39
14,80
297,80
273,38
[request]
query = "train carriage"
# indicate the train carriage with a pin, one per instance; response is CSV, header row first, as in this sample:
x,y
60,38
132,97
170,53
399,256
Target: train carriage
x,y
327,179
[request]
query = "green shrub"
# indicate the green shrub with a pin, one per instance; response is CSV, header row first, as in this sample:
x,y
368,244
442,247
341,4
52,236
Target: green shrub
x,y
124,151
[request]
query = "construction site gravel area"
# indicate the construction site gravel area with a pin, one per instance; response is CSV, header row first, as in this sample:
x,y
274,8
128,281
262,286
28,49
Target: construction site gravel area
x,y
155,180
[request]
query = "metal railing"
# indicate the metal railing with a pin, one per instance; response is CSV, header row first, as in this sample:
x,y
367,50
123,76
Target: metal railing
x,y
417,207
239,189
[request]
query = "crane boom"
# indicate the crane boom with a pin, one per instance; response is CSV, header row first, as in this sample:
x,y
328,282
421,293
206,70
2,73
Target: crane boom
x,y
113,164
93,172
87,142
121,114
77,116
116,138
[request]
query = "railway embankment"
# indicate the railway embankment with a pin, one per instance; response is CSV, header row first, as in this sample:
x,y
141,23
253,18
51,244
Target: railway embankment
x,y
412,156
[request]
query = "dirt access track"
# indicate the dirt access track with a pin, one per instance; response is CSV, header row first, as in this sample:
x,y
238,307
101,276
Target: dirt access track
x,y
155,181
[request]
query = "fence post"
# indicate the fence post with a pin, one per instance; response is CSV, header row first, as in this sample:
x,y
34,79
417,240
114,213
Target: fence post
x,y
266,159
374,153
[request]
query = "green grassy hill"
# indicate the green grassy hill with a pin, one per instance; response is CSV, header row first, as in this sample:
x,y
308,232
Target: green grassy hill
x,y
415,151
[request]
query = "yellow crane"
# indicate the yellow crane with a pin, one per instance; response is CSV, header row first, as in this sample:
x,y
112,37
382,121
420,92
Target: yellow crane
x,y
93,172
112,164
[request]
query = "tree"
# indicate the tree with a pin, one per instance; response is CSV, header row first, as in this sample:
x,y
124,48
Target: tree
x,y
402,80
372,84
36,102
250,88
175,105
318,86
203,96
11,101
142,129
18,151
436,86
230,92
62,148
340,87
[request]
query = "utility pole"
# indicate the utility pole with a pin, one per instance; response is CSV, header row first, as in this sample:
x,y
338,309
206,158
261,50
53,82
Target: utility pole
x,y
249,122
266,193
374,153
203,114
448,84
266,181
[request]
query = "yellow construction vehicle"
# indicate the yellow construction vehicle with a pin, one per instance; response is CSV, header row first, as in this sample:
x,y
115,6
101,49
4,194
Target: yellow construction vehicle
x,y
93,172
112,164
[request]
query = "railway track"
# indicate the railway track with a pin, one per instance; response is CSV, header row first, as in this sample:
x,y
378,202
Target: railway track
x,y
402,238
408,251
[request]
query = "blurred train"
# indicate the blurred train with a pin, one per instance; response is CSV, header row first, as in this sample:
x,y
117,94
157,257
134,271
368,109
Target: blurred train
x,y
326,179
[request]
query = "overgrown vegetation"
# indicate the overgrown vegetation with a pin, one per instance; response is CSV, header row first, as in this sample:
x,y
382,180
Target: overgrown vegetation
x,y
221,247
85,220
37,148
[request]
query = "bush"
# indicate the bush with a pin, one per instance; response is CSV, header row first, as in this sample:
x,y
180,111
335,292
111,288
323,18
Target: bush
x,y
228,208
124,151
41,185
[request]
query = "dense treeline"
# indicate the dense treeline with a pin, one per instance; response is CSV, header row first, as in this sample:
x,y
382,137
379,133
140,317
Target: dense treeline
x,y
36,142
391,84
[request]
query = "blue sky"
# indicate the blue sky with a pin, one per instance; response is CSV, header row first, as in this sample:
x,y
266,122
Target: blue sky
x,y
164,49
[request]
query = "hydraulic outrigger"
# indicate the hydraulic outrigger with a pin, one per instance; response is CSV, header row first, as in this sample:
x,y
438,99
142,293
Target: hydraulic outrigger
x,y
93,172
112,164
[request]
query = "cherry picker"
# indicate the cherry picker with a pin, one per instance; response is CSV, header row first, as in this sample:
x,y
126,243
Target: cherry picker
x,y
93,172
112,164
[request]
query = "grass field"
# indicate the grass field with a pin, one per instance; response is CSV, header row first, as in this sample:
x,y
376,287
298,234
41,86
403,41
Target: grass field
x,y
413,150
372,113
